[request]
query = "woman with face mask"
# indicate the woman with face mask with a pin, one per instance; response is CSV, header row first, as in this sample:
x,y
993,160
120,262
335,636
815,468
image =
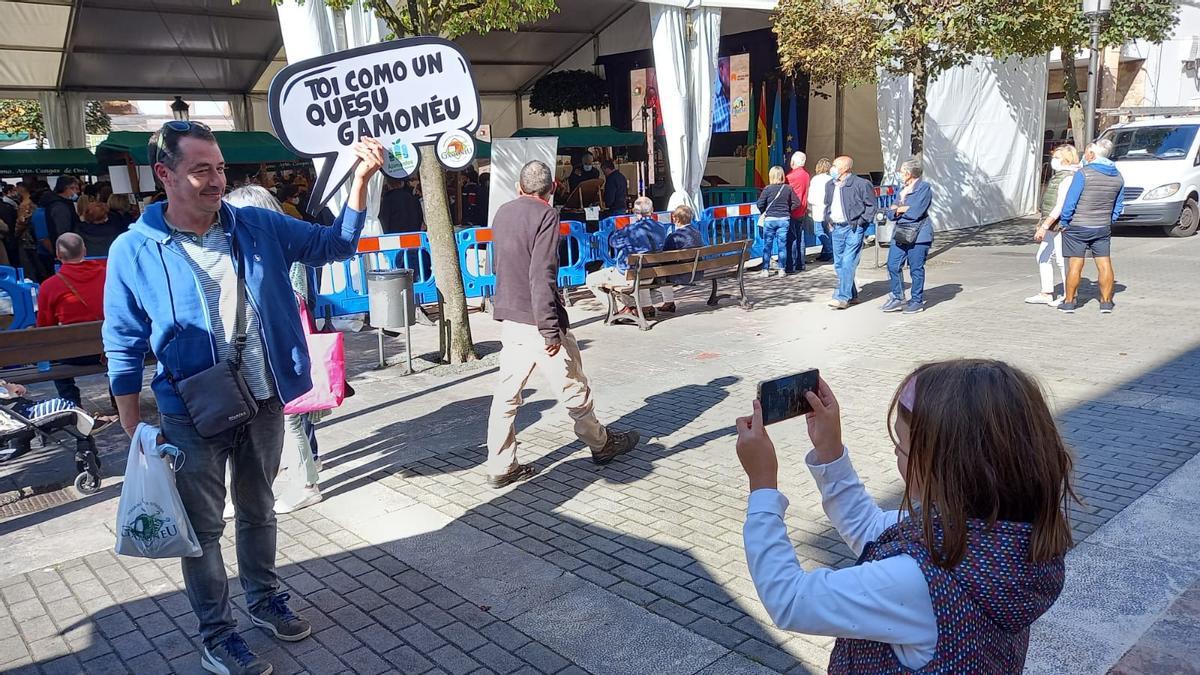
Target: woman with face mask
x,y
1064,162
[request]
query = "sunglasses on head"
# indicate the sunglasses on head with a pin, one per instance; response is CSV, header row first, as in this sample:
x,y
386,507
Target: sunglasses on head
x,y
178,127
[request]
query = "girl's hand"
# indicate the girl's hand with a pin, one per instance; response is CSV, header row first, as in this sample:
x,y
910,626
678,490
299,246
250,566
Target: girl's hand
x,y
1039,234
825,423
756,451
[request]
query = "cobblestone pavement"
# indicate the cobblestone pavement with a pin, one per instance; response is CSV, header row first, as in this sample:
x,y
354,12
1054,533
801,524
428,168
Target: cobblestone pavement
x,y
412,565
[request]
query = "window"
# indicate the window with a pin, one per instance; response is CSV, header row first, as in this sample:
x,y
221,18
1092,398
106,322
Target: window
x,y
1166,142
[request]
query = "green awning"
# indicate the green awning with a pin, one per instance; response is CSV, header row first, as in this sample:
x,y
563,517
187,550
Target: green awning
x,y
586,137
238,147
14,163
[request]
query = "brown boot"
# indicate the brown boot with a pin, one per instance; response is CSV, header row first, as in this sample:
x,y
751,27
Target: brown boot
x,y
619,443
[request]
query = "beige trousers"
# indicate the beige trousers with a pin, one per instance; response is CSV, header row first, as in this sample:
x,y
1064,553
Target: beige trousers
x,y
523,350
609,276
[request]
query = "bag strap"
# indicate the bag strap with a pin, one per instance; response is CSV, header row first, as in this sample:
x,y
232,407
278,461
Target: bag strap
x,y
76,293
239,324
777,194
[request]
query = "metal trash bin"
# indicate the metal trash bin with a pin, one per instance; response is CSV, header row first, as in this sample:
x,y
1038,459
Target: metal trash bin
x,y
392,304
390,298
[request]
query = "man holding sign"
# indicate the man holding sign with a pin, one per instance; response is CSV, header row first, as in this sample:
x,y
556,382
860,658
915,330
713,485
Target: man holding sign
x,y
193,280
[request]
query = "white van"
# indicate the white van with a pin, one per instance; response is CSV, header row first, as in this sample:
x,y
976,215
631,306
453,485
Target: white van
x,y
1159,158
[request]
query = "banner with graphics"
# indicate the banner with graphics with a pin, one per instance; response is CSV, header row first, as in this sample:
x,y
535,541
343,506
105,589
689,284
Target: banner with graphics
x,y
406,93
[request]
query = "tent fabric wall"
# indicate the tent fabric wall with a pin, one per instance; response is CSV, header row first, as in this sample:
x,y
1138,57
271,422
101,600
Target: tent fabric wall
x,y
63,117
860,137
983,139
686,72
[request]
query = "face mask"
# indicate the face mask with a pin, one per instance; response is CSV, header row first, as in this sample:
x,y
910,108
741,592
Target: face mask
x,y
587,167
833,173
74,198
1056,164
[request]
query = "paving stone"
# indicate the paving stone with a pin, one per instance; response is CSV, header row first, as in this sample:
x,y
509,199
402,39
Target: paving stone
x,y
363,660
408,660
497,659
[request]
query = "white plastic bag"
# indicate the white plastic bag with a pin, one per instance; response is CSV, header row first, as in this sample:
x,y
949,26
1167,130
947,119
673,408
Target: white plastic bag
x,y
151,522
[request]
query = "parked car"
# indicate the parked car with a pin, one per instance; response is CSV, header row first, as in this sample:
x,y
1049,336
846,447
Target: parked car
x,y
1159,158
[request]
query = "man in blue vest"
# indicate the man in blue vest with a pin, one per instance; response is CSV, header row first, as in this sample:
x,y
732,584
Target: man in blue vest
x,y
176,292
1095,200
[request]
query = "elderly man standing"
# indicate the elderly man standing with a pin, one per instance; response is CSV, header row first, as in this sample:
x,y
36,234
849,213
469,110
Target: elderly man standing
x,y
537,332
911,213
1095,200
644,235
850,206
203,284
799,179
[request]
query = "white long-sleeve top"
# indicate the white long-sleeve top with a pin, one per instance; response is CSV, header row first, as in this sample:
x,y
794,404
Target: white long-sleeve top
x,y
885,601
816,195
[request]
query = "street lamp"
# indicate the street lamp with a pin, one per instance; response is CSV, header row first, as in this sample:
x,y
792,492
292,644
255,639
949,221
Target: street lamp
x,y
1094,11
179,109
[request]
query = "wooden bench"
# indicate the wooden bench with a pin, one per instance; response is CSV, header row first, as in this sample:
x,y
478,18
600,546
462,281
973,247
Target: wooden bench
x,y
688,266
21,350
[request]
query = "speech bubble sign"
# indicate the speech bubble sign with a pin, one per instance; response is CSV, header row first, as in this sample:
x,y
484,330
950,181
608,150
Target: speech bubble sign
x,y
406,93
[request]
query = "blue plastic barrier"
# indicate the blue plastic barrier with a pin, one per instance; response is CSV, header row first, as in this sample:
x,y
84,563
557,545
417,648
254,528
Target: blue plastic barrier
x,y
574,253
24,309
475,261
13,274
395,251
600,248
721,224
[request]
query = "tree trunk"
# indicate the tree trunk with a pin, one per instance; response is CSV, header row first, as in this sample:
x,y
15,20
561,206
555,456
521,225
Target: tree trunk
x,y
1071,92
574,118
920,103
444,252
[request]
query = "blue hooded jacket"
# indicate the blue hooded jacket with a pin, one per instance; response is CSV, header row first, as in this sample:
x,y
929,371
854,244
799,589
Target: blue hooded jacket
x,y
153,301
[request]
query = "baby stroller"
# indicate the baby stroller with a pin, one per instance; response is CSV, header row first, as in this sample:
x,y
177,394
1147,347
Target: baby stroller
x,y
56,422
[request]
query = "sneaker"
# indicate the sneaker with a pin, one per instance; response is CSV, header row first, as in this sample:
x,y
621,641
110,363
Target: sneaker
x,y
853,301
914,307
280,620
227,514
1066,307
838,304
668,307
233,657
309,496
1106,307
319,465
619,443
1039,299
1055,302
892,305
516,474
766,273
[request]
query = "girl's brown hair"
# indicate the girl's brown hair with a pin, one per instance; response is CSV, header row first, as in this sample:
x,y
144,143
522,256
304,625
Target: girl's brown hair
x,y
823,166
983,445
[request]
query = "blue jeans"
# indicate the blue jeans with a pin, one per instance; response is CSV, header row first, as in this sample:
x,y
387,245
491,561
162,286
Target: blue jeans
x,y
795,244
254,450
914,255
826,240
847,247
775,230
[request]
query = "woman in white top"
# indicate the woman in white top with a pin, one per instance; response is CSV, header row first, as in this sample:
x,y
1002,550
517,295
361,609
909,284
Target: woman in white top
x,y
1065,162
816,206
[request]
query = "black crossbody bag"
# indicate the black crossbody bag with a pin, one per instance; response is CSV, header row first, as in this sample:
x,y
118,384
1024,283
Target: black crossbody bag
x,y
218,399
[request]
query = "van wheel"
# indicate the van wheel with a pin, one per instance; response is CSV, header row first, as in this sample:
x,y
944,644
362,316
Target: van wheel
x,y
1189,218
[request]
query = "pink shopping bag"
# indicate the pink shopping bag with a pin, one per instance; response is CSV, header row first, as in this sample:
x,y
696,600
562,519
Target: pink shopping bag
x,y
328,369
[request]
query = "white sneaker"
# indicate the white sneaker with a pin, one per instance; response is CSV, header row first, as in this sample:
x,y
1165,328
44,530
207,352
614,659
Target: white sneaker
x,y
228,513
1040,299
1055,302
309,496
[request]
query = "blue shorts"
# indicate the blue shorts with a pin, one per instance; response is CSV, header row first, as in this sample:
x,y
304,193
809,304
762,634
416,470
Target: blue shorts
x,y
1077,241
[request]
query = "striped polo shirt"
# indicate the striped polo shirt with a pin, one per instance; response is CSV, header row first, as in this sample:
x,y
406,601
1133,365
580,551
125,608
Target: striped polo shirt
x,y
211,260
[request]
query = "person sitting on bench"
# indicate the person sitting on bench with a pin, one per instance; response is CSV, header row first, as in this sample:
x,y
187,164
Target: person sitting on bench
x,y
645,235
74,295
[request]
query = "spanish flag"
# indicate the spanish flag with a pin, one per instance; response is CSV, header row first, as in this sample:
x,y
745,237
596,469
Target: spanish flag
x,y
762,161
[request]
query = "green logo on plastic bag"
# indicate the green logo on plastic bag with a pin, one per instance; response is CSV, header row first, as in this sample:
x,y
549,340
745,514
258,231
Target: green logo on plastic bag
x,y
148,527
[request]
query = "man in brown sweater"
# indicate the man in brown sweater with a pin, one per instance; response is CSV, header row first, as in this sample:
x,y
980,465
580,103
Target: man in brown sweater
x,y
536,331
